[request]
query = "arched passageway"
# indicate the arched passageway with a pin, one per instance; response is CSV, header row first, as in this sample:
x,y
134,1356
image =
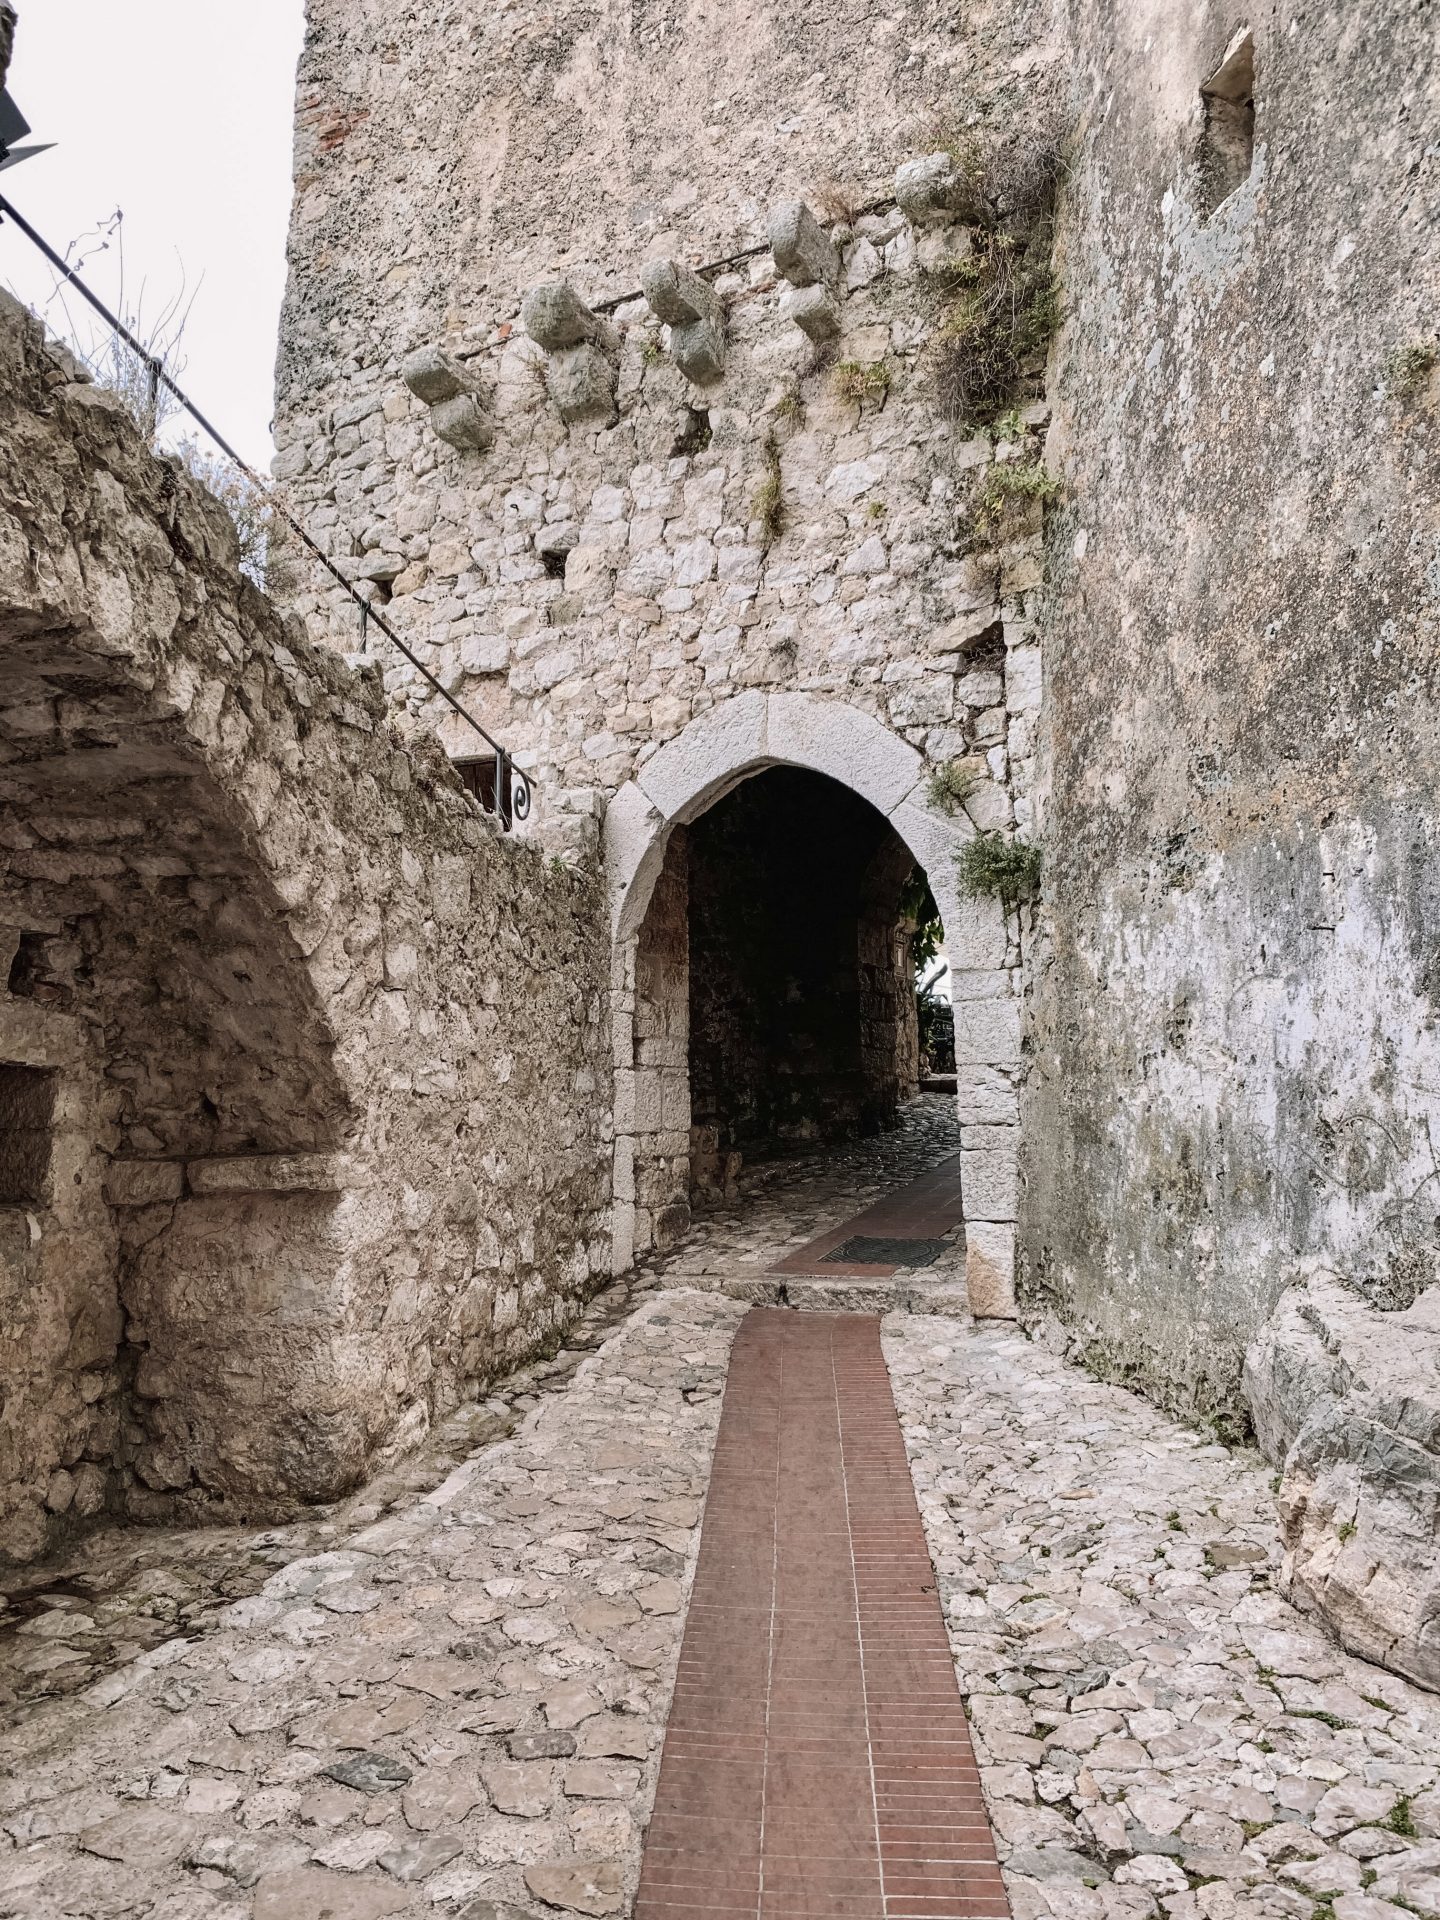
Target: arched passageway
x,y
801,1004
762,987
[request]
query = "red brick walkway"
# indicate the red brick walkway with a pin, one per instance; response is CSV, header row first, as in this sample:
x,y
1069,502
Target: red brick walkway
x,y
817,1760
926,1209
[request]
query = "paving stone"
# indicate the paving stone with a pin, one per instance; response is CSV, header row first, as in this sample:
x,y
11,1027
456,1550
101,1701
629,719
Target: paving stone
x,y
580,1886
309,1893
417,1859
370,1772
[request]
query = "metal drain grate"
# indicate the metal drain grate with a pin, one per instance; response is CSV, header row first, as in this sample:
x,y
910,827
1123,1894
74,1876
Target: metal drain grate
x,y
860,1251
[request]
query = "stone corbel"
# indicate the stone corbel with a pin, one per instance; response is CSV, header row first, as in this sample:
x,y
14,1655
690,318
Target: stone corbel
x,y
459,407
692,310
807,257
579,349
935,190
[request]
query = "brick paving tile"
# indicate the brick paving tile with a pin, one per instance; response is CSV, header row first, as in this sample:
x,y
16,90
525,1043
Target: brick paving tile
x,y
816,1762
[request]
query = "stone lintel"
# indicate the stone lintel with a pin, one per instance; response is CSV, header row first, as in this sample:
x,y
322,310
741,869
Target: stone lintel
x,y
273,1173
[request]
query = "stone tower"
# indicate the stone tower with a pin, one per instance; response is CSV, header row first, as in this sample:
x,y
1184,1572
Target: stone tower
x,y
606,369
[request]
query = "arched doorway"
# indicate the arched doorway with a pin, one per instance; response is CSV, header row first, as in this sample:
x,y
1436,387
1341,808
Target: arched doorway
x,y
674,802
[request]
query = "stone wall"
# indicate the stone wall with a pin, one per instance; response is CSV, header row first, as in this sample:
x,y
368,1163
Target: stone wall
x,y
1235,1068
308,1065
603,536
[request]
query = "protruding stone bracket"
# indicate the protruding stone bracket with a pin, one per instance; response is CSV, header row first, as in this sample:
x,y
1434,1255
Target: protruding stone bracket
x,y
694,315
459,406
580,372
936,190
815,310
810,261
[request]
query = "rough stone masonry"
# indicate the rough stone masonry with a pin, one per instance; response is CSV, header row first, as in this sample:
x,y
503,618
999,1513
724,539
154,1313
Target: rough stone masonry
x,y
1226,1080
305,1091
607,366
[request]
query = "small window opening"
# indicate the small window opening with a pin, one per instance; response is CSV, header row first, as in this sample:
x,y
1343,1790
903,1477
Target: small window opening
x,y
27,1114
1227,146
477,776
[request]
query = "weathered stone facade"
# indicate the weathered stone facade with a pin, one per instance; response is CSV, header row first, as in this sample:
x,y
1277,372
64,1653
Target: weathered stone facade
x,y
1234,1064
715,518
306,1077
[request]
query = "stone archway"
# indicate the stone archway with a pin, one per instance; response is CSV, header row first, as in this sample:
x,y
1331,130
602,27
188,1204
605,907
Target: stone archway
x,y
679,782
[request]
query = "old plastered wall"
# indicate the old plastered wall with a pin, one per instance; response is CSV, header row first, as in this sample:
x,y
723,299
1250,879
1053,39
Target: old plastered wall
x,y
327,1132
1236,1070
601,594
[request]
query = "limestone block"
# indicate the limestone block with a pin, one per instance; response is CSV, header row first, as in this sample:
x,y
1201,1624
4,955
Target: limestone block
x,y
633,831
432,376
989,1180
813,309
830,737
141,1183
1022,679
677,296
804,252
974,933
945,246
691,771
699,351
271,1173
990,1269
986,1096
1346,1400
692,310
556,318
582,382
934,190
464,423
987,1033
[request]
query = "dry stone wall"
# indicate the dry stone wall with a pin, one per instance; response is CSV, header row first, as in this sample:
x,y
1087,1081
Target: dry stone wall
x,y
305,1069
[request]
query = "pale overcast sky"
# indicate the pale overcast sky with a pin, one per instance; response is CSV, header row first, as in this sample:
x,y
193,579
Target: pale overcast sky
x,y
179,113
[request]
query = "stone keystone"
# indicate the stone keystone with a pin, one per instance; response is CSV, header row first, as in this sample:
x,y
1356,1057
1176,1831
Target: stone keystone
x,y
803,251
936,189
815,310
694,315
555,317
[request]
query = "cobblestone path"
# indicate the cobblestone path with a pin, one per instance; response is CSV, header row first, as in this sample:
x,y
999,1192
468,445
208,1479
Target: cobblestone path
x,y
816,1761
448,1696
1158,1731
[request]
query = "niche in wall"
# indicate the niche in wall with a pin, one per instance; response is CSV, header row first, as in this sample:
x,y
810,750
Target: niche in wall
x,y
1227,146
27,1114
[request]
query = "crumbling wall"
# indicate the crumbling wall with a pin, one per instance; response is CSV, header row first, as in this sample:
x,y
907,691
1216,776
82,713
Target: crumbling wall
x,y
331,1118
1234,1065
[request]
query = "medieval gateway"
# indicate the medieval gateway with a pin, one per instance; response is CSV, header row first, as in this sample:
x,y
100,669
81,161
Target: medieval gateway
x,y
532,1380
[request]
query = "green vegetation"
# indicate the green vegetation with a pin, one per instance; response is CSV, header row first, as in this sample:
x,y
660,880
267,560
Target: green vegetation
x,y
1401,1820
950,786
1408,367
1009,487
863,381
996,867
768,504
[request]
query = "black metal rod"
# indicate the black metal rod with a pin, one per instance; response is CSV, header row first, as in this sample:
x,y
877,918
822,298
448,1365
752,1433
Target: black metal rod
x,y
159,377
